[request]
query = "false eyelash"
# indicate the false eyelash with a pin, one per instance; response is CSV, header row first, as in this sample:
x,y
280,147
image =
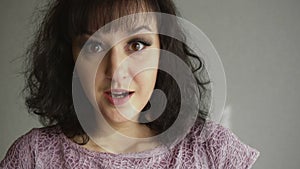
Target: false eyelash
x,y
142,40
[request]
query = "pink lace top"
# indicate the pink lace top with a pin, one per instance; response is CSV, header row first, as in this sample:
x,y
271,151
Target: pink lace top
x,y
49,148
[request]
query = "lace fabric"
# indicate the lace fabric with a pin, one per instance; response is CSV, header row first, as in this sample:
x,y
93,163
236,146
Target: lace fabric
x,y
215,148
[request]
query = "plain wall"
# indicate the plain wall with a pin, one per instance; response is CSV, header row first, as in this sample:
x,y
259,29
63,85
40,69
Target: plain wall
x,y
258,42
15,32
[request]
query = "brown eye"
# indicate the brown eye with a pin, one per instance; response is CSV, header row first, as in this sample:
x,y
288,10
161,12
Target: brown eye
x,y
136,46
93,47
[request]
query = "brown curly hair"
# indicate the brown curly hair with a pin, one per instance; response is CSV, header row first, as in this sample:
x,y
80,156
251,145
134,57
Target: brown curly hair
x,y
49,61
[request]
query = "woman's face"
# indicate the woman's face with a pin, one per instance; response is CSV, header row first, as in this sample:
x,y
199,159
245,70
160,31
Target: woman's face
x,y
123,73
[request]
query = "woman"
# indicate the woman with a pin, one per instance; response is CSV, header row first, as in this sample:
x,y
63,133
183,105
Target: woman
x,y
91,83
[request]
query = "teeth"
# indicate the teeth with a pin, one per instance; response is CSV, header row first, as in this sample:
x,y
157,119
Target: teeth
x,y
119,94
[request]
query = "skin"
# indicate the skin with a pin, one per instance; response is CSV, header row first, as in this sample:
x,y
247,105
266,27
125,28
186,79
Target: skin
x,y
129,64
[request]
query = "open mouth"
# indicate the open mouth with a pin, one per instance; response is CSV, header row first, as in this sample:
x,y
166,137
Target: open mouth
x,y
118,96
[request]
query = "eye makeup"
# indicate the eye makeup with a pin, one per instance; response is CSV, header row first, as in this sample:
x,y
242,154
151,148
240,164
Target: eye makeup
x,y
137,44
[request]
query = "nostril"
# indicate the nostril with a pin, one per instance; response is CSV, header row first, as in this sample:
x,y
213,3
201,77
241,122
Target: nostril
x,y
118,77
108,77
124,75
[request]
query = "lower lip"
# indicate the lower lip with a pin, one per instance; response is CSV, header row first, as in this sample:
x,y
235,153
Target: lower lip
x,y
117,101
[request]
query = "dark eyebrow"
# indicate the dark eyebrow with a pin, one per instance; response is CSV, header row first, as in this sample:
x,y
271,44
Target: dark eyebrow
x,y
132,31
129,32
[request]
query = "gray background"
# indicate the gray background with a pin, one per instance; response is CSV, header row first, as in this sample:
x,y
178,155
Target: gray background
x,y
258,42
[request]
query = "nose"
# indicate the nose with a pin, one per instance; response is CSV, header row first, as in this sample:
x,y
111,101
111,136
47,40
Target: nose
x,y
116,68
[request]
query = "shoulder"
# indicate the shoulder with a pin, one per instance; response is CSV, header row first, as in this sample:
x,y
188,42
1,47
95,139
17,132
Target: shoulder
x,y
39,137
223,148
23,152
48,133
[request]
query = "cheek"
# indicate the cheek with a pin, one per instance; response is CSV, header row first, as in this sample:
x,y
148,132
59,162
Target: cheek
x,y
146,70
144,60
143,84
145,81
100,77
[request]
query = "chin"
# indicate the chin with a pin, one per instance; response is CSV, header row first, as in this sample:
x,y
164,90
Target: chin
x,y
114,116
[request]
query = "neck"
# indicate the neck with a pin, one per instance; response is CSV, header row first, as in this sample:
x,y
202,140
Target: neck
x,y
130,129
122,138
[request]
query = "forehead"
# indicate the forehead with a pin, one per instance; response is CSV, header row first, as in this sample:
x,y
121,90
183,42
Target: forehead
x,y
131,24
125,27
123,15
